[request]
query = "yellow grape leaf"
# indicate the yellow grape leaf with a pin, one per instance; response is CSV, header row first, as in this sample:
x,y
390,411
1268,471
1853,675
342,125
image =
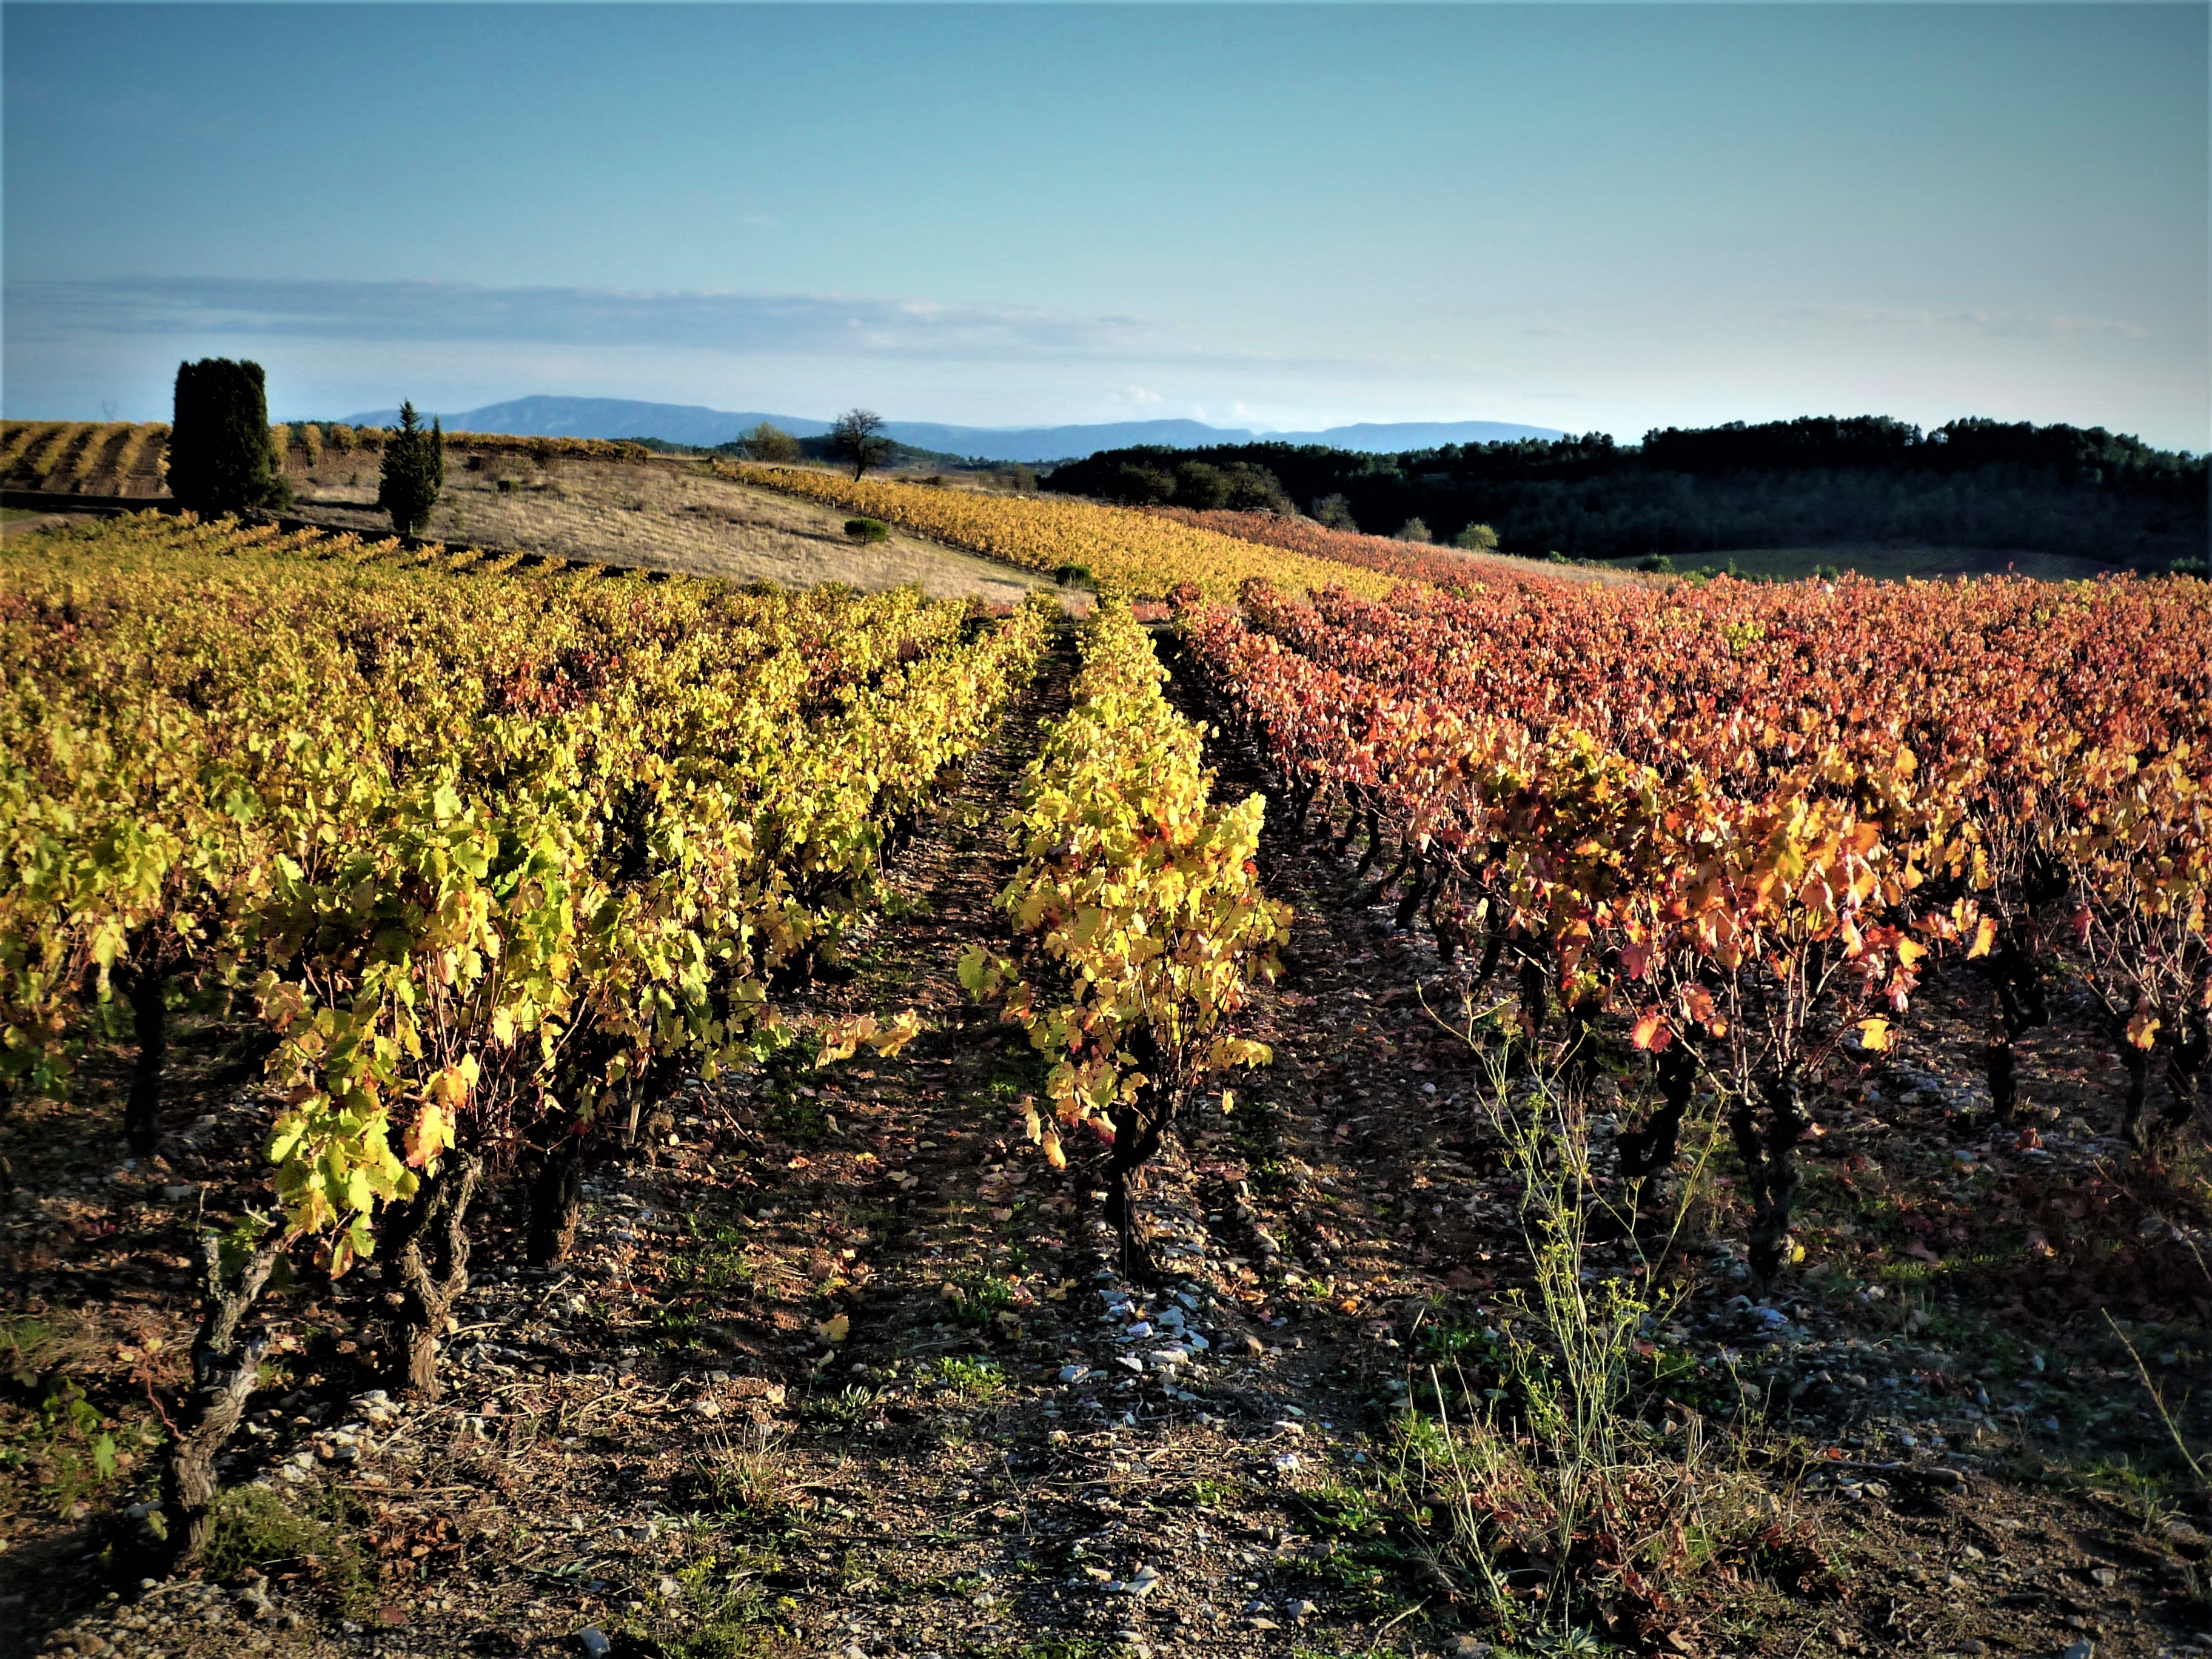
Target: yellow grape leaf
x,y
905,1027
834,1330
2142,1029
431,1137
1875,1034
1985,936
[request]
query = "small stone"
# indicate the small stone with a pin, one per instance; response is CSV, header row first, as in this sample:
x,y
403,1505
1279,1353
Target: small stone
x,y
1261,1624
592,1641
2079,1650
1130,1360
1300,1609
1073,1373
1254,1346
1466,1647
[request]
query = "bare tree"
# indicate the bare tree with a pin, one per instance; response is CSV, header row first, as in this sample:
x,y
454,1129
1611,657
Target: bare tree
x,y
857,438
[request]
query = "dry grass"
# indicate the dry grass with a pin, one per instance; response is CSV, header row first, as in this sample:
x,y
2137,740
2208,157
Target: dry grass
x,y
665,516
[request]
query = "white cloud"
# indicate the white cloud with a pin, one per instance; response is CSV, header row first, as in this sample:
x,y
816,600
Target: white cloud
x,y
704,320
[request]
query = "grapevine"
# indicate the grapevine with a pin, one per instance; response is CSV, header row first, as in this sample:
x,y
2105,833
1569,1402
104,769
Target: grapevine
x,y
1144,897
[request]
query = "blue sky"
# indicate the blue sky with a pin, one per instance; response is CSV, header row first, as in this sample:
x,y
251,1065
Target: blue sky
x,y
1593,217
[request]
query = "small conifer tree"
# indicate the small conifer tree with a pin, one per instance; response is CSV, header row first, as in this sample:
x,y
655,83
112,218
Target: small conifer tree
x,y
414,470
221,457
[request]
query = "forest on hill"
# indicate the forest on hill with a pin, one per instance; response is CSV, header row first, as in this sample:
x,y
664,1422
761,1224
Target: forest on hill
x,y
1813,482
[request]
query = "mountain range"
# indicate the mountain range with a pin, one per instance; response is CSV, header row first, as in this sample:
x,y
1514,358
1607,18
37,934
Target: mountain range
x,y
692,423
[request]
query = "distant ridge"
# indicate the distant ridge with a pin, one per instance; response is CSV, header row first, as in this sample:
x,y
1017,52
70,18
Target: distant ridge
x,y
693,423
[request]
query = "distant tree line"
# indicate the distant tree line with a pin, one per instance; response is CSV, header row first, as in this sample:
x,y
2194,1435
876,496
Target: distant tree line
x,y
1816,482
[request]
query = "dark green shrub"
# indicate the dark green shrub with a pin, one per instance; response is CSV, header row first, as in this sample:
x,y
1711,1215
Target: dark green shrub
x,y
223,458
867,530
1141,486
1334,512
1073,576
414,472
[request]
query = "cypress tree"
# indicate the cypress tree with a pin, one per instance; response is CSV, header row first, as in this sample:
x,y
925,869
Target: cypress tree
x,y
220,456
414,470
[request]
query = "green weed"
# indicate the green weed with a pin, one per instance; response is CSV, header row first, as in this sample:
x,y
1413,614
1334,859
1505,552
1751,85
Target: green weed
x,y
971,1379
256,1528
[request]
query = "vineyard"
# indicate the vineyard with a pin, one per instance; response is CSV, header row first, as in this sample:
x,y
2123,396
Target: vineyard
x,y
1139,554
1409,1107
122,458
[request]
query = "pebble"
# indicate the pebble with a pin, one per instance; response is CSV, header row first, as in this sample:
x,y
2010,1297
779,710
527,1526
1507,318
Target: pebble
x,y
1130,1360
1300,1609
1073,1373
2079,1650
592,1642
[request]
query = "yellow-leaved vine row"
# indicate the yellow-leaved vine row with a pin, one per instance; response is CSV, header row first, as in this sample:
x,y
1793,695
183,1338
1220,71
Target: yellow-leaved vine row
x,y
1140,919
492,854
1138,553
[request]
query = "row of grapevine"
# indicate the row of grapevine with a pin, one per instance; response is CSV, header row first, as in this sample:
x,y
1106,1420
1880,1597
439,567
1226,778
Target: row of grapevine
x,y
1131,551
83,457
1739,817
1419,562
1140,921
125,458
491,856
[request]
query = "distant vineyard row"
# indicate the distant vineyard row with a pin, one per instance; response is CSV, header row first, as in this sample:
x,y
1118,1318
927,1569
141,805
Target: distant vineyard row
x,y
127,458
1137,553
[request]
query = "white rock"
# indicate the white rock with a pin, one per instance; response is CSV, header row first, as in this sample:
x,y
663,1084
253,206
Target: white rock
x,y
1130,1360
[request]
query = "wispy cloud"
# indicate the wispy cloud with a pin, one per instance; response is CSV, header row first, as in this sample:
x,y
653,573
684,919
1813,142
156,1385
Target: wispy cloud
x,y
807,323
2019,325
